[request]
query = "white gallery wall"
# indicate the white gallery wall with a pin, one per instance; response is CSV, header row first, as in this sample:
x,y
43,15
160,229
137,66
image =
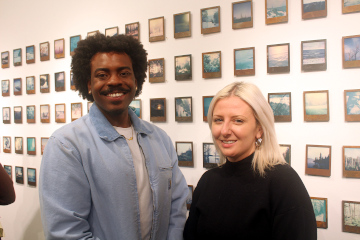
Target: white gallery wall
x,y
27,23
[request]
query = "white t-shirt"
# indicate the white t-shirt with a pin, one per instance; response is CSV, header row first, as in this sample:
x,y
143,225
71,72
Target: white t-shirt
x,y
142,180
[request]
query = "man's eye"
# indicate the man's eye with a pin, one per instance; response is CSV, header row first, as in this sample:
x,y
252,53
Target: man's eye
x,y
101,75
125,74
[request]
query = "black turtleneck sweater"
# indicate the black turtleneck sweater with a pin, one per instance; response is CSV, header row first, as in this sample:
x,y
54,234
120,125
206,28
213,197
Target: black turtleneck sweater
x,y
234,202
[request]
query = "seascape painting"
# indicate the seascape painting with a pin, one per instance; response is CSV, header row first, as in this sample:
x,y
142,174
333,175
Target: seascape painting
x,y
318,157
31,144
278,56
316,103
314,52
319,207
182,22
17,85
351,214
30,83
17,57
156,27
183,107
280,104
31,174
30,53
17,114
352,49
211,62
210,18
352,159
353,102
244,59
242,12
19,175
30,112
276,8
313,5
184,151
135,106
348,3
8,170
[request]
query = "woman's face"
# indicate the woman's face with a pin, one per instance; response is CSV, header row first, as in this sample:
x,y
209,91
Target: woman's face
x,y
234,128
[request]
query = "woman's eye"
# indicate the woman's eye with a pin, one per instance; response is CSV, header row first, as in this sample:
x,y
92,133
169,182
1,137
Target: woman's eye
x,y
217,119
239,121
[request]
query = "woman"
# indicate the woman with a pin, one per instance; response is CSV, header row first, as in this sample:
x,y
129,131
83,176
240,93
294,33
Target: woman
x,y
253,194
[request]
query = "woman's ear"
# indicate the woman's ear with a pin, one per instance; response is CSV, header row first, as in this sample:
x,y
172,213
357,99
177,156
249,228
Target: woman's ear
x,y
259,132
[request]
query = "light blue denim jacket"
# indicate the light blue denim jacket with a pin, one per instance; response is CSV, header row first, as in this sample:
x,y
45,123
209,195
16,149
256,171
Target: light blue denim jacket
x,y
88,185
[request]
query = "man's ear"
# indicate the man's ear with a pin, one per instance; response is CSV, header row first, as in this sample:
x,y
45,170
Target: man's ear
x,y
89,85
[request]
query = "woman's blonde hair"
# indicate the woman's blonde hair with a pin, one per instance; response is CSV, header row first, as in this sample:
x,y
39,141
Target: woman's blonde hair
x,y
268,154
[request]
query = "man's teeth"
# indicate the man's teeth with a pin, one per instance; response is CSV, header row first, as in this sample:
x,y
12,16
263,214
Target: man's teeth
x,y
228,142
115,94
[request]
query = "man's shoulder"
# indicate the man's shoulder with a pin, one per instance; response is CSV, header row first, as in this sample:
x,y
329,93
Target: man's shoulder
x,y
71,129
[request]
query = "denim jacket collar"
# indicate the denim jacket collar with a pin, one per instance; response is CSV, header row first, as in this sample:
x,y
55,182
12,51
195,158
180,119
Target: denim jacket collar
x,y
106,131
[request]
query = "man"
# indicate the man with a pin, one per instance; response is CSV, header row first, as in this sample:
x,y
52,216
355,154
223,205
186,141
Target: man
x,y
110,175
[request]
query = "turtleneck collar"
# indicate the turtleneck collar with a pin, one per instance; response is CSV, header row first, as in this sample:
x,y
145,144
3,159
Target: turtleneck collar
x,y
239,166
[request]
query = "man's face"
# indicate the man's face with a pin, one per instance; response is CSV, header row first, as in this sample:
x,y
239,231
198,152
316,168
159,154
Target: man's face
x,y
112,84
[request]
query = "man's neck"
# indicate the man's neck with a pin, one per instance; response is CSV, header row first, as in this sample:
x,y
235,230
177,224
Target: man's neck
x,y
118,119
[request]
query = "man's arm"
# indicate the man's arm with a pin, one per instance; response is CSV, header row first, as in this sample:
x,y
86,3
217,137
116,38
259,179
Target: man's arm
x,y
65,199
180,193
7,192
